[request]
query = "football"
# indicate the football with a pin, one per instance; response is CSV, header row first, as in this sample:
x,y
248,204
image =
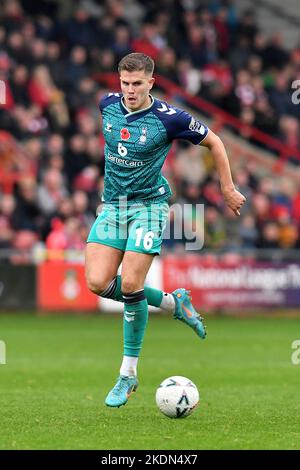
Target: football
x,y
177,397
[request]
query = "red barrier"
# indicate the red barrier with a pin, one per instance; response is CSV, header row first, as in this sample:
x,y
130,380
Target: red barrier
x,y
62,286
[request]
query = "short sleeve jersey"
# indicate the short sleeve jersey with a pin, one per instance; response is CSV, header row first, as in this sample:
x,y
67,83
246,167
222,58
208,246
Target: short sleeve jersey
x,y
136,146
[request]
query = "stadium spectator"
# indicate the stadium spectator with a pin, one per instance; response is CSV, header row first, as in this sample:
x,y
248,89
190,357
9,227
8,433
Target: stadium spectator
x,y
49,125
51,191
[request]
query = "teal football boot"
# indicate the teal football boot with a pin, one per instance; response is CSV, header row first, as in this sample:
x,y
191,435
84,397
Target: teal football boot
x,y
119,395
185,312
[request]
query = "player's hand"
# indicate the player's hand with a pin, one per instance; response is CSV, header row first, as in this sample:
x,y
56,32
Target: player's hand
x,y
234,200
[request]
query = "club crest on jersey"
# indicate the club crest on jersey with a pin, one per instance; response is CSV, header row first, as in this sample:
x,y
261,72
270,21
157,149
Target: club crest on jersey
x,y
124,133
143,137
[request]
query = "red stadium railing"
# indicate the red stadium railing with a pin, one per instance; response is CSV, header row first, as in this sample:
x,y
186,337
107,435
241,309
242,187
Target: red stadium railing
x,y
220,117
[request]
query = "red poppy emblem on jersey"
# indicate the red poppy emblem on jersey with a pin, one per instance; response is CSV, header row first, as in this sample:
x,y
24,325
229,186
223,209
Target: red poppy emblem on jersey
x,y
125,134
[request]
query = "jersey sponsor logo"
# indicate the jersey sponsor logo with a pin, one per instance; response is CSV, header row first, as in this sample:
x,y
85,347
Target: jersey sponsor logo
x,y
196,126
124,162
166,109
124,133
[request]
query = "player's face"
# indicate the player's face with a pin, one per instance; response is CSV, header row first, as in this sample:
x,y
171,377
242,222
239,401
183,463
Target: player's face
x,y
136,87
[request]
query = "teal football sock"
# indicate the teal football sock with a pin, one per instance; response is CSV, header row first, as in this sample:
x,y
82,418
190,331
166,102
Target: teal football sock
x,y
154,296
134,322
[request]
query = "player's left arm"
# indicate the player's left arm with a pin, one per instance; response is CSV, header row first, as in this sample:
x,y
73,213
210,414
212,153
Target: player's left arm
x,y
233,198
181,125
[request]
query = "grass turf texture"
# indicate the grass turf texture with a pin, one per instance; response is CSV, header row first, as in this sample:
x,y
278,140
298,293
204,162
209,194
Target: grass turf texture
x,y
59,370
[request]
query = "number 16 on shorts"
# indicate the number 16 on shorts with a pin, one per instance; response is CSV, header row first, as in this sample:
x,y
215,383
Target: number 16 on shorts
x,y
145,238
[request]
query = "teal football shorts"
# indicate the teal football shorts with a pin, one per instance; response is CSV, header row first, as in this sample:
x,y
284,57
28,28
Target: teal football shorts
x,y
136,227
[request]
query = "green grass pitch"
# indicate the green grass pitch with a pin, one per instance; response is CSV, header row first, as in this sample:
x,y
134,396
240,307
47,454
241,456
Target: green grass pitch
x,y
60,368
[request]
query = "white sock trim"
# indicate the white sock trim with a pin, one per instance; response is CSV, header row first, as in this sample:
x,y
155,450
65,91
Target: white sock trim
x,y
129,366
168,302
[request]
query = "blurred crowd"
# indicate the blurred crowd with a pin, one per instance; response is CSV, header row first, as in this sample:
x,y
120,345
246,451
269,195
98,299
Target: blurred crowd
x,y
50,135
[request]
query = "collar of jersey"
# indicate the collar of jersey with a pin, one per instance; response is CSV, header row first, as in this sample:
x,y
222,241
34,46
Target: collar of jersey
x,y
133,115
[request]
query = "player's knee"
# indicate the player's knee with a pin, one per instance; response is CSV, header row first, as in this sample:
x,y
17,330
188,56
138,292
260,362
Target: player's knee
x,y
130,285
95,284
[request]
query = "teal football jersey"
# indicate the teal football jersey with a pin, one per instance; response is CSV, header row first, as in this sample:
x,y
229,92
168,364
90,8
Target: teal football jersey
x,y
136,146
